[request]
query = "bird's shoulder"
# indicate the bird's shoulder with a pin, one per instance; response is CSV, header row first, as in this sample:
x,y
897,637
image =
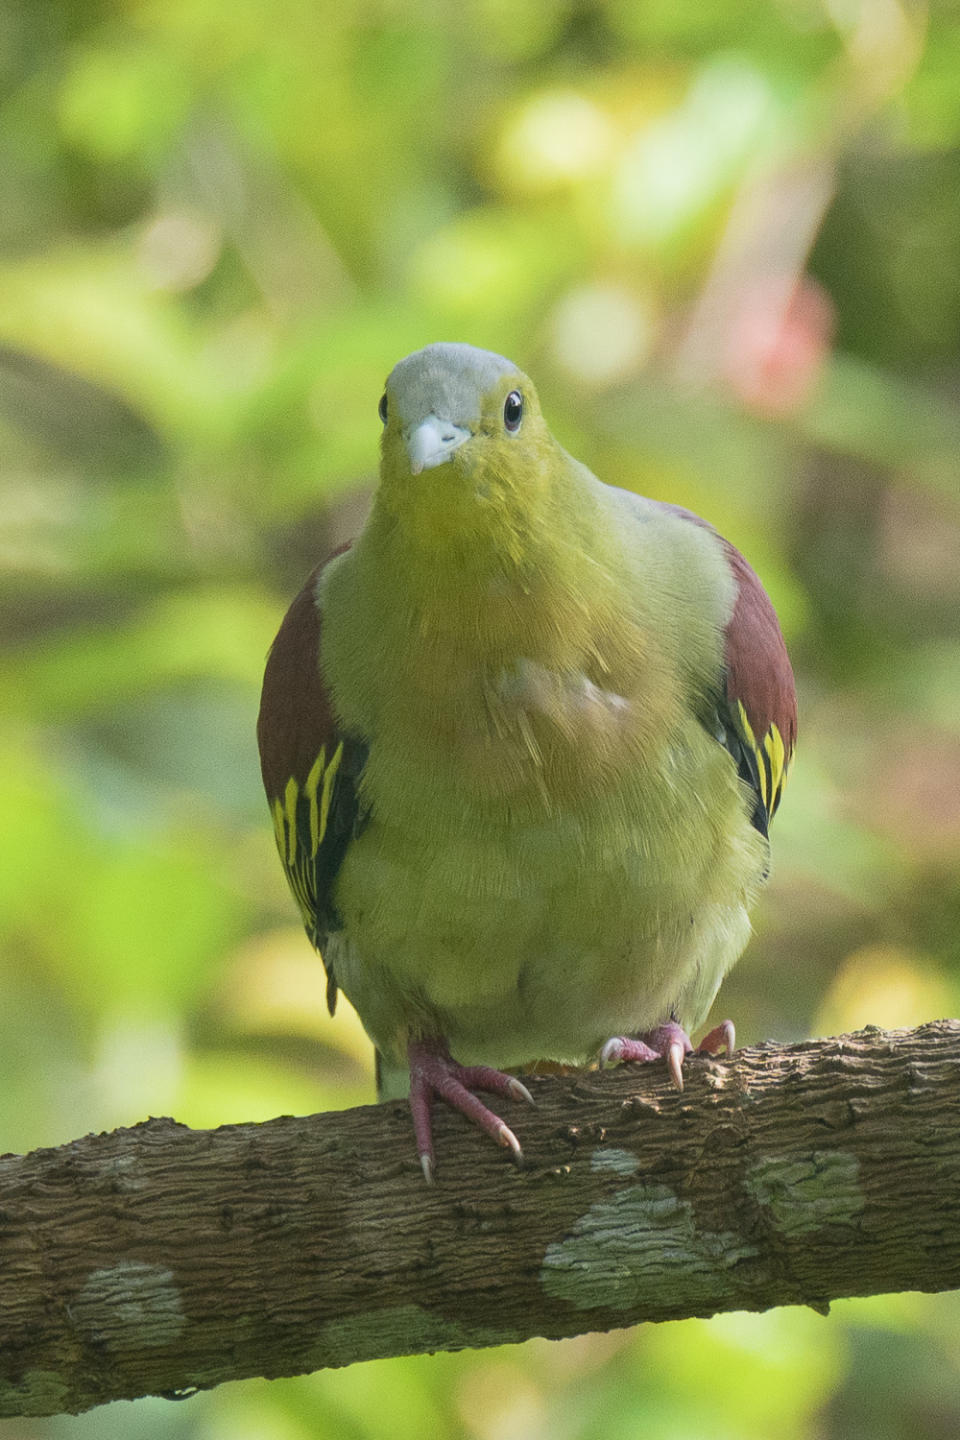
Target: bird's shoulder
x,y
755,710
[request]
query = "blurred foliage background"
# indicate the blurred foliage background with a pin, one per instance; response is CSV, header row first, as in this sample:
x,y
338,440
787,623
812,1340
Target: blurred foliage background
x,y
725,239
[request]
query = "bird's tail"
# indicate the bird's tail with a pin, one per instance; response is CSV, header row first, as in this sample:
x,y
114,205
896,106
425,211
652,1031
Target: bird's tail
x,y
393,1081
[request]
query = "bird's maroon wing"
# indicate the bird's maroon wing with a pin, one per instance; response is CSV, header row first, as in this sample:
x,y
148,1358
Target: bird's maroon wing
x,y
311,769
758,709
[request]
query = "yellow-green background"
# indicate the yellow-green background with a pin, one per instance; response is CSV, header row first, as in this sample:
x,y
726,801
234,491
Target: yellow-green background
x,y
221,222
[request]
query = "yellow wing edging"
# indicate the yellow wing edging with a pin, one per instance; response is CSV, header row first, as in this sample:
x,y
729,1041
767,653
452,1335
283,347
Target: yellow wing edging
x,y
318,793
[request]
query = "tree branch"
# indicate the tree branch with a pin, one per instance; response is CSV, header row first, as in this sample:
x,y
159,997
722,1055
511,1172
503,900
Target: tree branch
x,y
162,1259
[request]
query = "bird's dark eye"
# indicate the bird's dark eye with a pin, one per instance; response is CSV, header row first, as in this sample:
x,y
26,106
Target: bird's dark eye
x,y
382,407
513,410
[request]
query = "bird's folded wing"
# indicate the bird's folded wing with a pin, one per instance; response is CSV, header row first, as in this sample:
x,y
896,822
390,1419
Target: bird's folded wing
x,y
757,711
311,770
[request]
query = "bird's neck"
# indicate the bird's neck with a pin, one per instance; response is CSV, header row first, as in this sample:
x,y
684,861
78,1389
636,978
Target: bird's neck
x,y
495,579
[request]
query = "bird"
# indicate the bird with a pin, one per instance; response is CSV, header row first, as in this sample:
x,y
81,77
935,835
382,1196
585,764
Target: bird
x,y
522,740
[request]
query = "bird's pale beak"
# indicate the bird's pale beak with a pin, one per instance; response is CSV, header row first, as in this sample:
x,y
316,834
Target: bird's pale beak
x,y
432,442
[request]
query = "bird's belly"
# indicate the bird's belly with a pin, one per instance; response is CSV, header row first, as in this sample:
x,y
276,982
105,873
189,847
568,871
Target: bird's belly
x,y
532,941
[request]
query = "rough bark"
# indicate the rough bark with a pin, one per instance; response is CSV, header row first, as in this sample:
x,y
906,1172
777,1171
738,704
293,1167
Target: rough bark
x,y
162,1259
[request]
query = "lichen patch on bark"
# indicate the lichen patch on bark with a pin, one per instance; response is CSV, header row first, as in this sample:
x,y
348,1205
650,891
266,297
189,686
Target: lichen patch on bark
x,y
640,1237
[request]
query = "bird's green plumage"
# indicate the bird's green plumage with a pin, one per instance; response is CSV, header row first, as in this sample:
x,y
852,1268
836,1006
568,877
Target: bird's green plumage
x,y
558,850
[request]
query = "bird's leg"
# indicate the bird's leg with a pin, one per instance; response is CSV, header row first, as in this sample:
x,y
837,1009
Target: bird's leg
x,y
670,1042
433,1071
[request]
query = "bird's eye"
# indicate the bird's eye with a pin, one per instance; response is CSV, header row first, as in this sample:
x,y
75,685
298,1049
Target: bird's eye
x,y
382,407
513,410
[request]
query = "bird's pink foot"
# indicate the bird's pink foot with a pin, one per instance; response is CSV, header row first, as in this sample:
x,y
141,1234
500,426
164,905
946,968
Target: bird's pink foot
x,y
668,1042
433,1071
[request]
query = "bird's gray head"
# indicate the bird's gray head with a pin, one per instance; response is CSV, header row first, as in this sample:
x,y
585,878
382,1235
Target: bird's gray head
x,y
467,463
438,397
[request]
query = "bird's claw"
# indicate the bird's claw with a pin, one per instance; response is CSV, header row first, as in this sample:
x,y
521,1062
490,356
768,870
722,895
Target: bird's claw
x,y
675,1054
622,1047
509,1141
670,1042
433,1071
519,1091
721,1037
